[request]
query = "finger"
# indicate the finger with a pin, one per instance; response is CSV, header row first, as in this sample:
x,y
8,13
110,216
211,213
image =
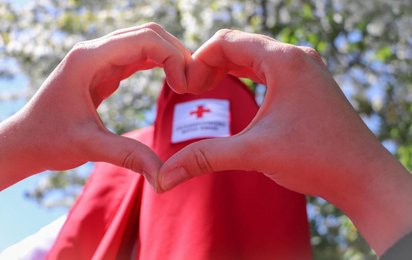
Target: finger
x,y
228,51
315,55
201,77
204,157
147,45
161,31
142,49
165,35
127,153
231,49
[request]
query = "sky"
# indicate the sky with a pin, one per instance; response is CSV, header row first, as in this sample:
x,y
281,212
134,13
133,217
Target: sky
x,y
20,217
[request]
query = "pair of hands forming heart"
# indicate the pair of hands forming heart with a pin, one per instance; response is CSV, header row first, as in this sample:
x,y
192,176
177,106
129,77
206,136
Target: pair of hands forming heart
x,y
306,136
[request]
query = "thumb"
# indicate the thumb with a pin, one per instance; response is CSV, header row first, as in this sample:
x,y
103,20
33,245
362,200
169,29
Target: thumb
x,y
128,153
204,157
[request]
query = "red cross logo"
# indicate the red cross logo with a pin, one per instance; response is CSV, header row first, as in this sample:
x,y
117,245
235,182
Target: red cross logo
x,y
200,110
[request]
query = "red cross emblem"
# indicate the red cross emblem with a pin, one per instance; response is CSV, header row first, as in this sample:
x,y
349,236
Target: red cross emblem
x,y
200,110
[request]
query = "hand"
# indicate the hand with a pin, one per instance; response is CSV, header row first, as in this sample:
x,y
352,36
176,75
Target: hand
x,y
304,122
306,136
60,129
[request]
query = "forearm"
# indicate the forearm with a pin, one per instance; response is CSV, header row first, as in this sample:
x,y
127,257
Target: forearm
x,y
19,156
378,199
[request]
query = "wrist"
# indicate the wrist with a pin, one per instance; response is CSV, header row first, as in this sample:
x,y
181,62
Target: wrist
x,y
377,197
20,154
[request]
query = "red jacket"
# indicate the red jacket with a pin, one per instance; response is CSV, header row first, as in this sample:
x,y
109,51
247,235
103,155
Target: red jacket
x,y
230,215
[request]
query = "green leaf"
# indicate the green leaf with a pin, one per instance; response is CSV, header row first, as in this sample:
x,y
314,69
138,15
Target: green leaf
x,y
321,46
307,11
284,35
6,37
383,54
313,39
405,156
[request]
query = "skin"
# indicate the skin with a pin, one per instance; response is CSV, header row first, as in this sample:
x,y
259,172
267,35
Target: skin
x,y
306,136
60,129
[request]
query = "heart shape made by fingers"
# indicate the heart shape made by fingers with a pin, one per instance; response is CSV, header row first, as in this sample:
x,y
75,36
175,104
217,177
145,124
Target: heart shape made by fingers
x,y
302,104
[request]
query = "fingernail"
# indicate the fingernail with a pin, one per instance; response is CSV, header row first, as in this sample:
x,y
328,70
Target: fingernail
x,y
174,177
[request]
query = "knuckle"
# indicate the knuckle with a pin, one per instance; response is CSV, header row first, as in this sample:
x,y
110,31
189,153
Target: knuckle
x,y
79,49
154,26
129,161
296,58
149,33
296,54
223,34
202,161
80,52
312,53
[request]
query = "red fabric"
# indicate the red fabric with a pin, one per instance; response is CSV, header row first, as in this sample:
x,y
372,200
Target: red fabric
x,y
231,215
96,223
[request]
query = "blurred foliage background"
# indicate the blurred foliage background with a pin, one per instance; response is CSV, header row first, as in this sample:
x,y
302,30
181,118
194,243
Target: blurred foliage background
x,y
366,44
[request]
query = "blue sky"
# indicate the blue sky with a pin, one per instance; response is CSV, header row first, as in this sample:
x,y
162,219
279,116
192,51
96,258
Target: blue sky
x,y
20,217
